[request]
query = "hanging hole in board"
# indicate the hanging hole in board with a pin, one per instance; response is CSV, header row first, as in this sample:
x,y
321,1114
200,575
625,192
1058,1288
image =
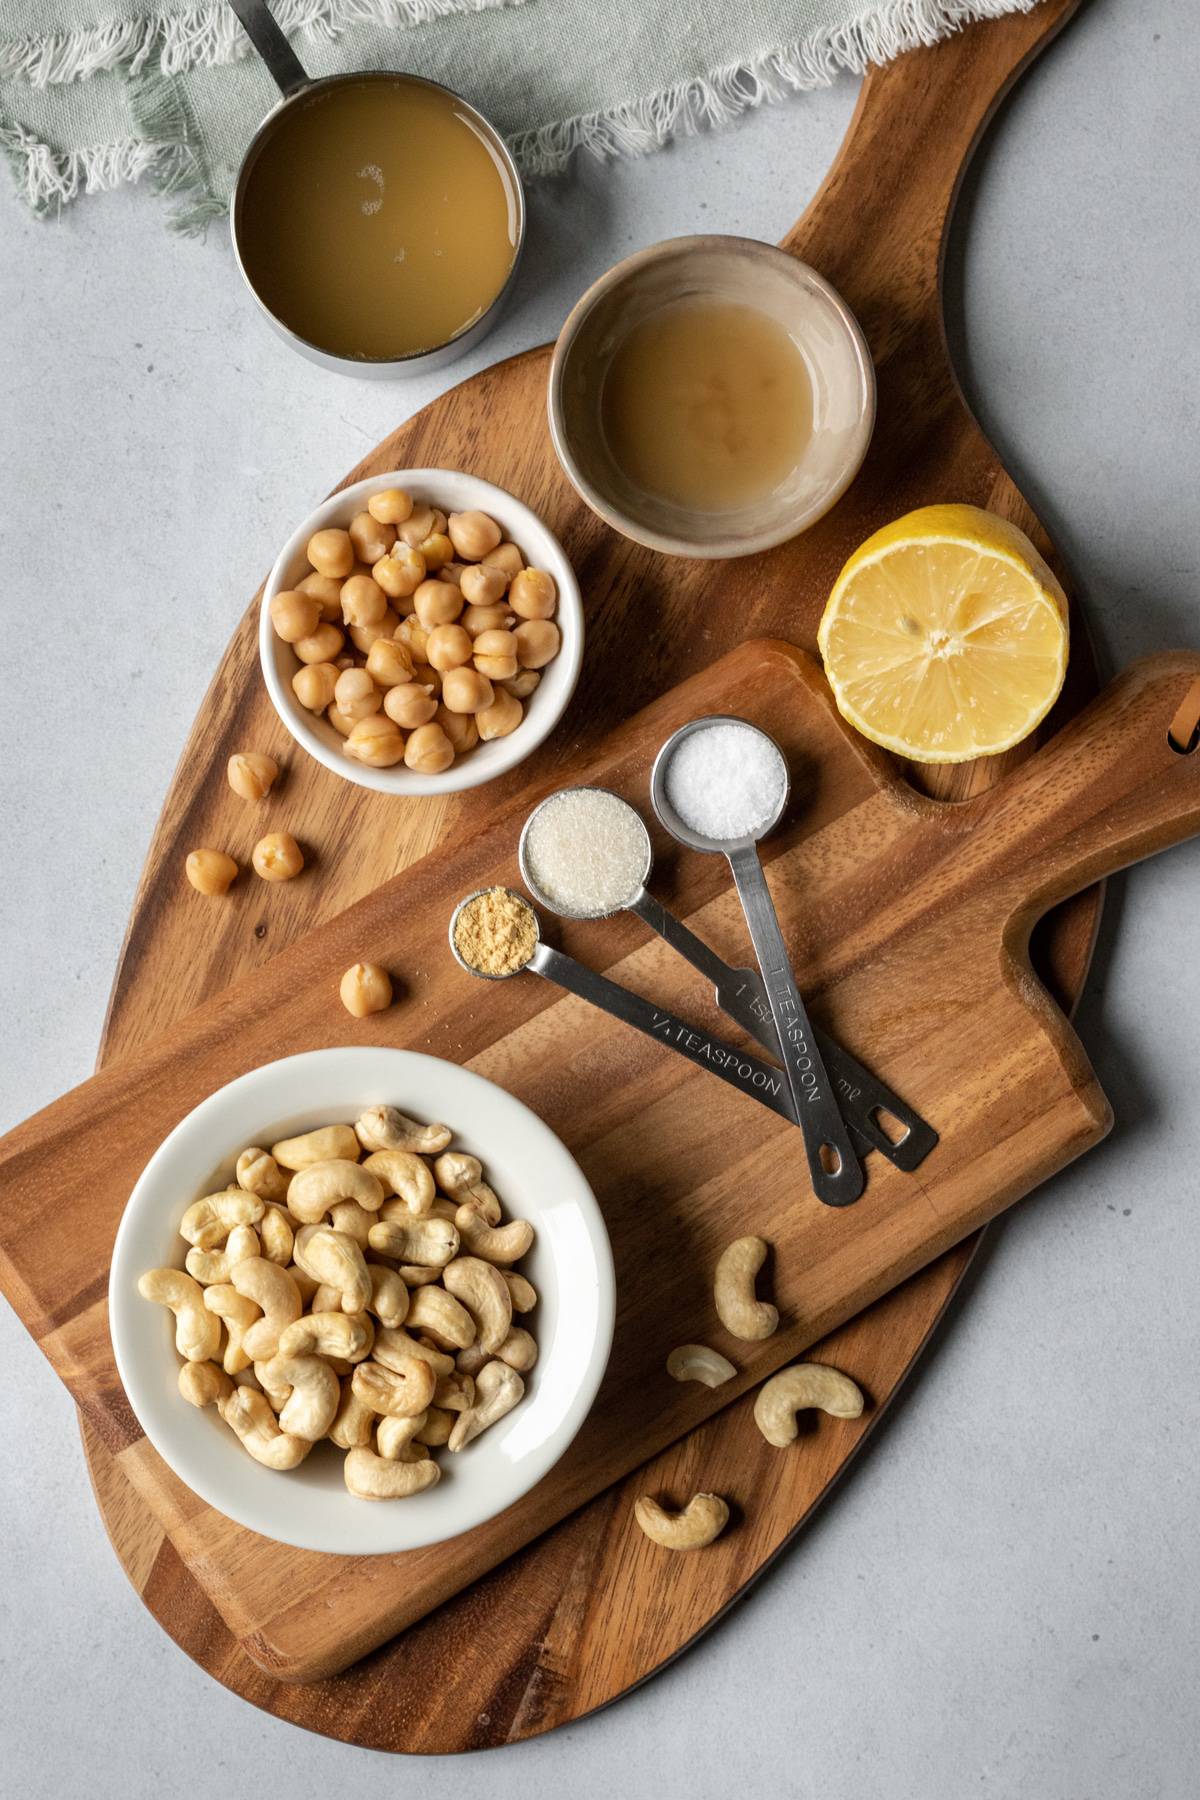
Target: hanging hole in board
x,y
1183,733
831,1160
893,1129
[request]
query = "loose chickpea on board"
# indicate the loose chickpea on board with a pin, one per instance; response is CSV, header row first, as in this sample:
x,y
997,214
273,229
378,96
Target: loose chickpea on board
x,y
252,775
297,1335
210,872
277,857
365,988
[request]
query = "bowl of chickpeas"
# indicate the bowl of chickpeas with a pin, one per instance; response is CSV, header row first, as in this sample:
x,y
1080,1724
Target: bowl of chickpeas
x,y
421,632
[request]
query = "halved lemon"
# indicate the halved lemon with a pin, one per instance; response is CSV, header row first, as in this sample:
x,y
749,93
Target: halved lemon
x,y
945,636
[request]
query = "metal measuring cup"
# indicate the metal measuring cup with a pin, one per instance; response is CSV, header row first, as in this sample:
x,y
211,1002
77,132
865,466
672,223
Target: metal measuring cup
x,y
740,1068
296,88
740,994
836,1173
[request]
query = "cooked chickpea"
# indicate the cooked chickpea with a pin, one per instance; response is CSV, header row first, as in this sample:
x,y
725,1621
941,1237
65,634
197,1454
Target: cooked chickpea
x,y
313,685
460,728
365,988
502,716
251,774
437,551
363,636
475,619
401,572
294,615
210,872
453,572
427,676
375,741
496,654
481,586
437,603
532,594
409,705
413,635
321,645
473,534
389,664
429,750
466,690
391,506
363,601
448,647
326,592
538,642
330,552
522,683
356,696
341,724
421,523
277,857
507,558
371,537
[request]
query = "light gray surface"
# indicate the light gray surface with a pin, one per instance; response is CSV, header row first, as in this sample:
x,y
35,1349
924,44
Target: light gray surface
x,y
1002,1599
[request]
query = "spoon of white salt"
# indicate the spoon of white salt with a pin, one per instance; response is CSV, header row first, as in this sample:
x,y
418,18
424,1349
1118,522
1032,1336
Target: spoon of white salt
x,y
719,785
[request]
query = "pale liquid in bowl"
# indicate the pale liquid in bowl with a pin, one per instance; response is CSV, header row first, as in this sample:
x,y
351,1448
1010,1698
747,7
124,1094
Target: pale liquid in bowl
x,y
377,220
707,404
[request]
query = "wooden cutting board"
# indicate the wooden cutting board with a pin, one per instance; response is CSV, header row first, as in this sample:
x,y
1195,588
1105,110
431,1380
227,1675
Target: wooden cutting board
x,y
909,921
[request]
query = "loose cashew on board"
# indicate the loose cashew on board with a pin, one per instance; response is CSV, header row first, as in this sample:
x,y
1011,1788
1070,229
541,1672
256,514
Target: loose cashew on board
x,y
739,1310
793,1390
702,1520
696,1362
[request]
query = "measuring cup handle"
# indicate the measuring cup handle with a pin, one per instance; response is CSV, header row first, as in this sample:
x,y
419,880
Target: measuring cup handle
x,y
268,38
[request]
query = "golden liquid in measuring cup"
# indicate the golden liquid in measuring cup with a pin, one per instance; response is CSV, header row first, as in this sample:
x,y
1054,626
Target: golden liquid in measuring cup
x,y
377,220
707,403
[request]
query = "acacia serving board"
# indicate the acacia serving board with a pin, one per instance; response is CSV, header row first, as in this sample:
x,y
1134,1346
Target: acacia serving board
x,y
909,921
581,1607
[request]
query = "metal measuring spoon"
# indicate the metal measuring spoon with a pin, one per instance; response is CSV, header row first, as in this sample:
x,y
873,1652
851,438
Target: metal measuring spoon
x,y
740,1068
837,1176
740,993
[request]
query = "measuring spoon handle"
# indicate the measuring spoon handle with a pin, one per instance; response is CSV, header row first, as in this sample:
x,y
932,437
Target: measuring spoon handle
x,y
740,1068
818,1113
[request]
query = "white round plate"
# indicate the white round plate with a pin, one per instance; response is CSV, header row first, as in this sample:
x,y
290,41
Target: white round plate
x,y
570,1265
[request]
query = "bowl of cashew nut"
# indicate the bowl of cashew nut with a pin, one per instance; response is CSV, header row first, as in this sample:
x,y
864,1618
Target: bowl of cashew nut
x,y
361,1300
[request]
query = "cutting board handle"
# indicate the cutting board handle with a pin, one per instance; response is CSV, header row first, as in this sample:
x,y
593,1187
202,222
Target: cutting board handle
x,y
1119,783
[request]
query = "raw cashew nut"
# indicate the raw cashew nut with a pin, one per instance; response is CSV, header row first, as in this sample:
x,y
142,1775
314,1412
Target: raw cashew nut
x,y
239,1314
801,1386
440,1316
387,1128
495,1243
395,1350
497,1390
208,1222
394,1436
389,1296
246,1412
733,1290
326,1299
277,1235
371,1477
461,1177
203,1383
343,1336
197,1331
354,1420
414,1276
210,1266
354,1220
519,1350
312,1394
696,1362
483,1291
260,1174
276,1296
404,1174
320,1185
437,1427
702,1519
396,1393
523,1292
454,1393
429,1242
317,1146
306,1286
332,1257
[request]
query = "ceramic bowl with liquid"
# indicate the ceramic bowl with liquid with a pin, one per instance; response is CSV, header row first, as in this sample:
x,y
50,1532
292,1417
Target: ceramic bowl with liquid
x,y
711,396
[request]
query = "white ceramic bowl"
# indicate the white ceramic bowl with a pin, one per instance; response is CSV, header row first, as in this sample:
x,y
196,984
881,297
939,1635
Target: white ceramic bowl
x,y
453,491
570,1265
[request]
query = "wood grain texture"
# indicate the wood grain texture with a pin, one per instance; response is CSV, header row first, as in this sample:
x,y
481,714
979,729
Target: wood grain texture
x,y
877,230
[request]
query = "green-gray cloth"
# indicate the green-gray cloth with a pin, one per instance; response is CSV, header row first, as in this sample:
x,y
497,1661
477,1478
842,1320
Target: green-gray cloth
x,y
170,95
